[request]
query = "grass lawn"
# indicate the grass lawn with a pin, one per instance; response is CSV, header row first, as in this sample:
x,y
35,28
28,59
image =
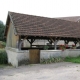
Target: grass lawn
x,y
73,59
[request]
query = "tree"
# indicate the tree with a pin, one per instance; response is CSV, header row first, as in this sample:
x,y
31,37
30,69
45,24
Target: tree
x,y
2,28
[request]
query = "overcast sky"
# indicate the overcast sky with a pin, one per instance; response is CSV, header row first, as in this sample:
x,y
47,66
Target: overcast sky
x,y
46,8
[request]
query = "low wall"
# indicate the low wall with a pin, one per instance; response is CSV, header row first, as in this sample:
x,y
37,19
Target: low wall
x,y
71,53
59,53
50,53
15,57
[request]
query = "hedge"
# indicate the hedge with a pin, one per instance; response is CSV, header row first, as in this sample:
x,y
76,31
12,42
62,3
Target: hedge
x,y
3,57
2,44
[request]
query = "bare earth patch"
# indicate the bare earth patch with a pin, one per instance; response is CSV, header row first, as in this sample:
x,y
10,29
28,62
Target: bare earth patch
x,y
55,71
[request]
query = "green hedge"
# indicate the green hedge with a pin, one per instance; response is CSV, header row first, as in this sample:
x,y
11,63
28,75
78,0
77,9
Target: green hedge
x,y
3,57
2,44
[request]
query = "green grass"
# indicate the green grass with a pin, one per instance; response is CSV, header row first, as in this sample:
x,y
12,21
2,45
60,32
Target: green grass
x,y
73,59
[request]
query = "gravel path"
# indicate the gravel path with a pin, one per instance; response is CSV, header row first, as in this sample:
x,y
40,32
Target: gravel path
x,y
55,71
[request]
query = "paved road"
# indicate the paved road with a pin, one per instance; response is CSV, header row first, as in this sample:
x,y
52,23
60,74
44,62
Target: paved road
x,y
55,71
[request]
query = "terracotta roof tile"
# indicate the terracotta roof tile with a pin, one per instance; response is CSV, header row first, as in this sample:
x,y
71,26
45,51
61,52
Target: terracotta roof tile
x,y
42,26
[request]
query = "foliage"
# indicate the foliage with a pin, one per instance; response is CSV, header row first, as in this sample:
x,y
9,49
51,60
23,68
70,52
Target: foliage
x,y
46,47
62,47
3,57
2,44
52,60
73,46
2,28
73,59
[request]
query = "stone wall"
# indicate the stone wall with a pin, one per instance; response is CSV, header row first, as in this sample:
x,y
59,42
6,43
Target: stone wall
x,y
70,53
11,37
50,53
59,53
16,57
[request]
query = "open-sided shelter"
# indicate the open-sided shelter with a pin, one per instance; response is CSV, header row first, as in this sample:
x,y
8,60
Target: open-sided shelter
x,y
22,26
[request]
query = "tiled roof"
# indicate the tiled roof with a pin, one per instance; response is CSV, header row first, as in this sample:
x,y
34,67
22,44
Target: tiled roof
x,y
73,18
42,26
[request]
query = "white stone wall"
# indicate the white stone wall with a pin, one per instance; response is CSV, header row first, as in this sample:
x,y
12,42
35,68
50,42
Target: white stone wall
x,y
59,53
50,53
15,56
70,53
12,58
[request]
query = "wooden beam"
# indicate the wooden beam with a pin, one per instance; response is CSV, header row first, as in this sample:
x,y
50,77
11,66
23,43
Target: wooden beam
x,y
51,39
31,41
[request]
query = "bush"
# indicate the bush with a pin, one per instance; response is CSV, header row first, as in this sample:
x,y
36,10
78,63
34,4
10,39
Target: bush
x,y
3,57
46,47
2,44
51,60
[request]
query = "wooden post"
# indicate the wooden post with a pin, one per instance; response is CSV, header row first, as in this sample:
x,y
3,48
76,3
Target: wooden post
x,y
51,40
19,43
78,41
55,42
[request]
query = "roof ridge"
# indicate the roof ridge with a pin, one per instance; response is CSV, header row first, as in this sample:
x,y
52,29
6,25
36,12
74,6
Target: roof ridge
x,y
60,18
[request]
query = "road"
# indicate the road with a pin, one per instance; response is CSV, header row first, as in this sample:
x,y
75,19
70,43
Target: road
x,y
55,71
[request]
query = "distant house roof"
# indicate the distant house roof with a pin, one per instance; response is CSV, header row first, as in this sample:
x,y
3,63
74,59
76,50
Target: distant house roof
x,y
42,26
73,18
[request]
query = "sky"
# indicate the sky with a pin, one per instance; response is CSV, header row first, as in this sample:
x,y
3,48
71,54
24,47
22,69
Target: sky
x,y
46,8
